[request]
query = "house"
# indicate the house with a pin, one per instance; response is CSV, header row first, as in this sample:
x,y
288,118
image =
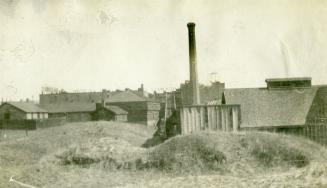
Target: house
x,y
140,109
109,113
21,111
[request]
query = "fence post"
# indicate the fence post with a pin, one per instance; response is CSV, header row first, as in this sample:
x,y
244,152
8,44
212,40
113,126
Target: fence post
x,y
26,124
235,119
0,130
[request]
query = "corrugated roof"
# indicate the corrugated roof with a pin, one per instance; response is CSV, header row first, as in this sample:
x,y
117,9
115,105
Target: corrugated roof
x,y
27,106
116,110
126,96
67,107
263,107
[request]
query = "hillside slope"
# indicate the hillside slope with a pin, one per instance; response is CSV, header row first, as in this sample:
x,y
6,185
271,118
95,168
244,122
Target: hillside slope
x,y
108,154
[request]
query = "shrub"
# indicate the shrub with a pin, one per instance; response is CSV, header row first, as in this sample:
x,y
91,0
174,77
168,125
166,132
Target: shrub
x,y
274,150
185,153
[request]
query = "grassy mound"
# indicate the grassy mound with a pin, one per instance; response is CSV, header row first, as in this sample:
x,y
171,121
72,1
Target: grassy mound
x,y
30,158
112,153
238,154
108,154
279,150
228,153
186,153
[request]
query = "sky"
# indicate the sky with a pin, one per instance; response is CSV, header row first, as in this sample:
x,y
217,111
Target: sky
x,y
90,45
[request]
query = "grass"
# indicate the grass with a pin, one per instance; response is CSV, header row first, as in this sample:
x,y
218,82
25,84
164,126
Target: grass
x,y
109,154
27,158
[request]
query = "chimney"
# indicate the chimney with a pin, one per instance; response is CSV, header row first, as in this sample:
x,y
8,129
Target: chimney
x,y
193,64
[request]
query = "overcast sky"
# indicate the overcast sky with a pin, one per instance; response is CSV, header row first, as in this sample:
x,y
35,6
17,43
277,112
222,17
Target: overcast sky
x,y
90,45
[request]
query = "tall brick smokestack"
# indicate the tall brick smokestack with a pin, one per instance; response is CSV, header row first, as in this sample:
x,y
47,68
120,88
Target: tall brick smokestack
x,y
193,64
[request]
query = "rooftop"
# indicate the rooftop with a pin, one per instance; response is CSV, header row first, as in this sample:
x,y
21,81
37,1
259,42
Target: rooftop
x,y
262,107
26,106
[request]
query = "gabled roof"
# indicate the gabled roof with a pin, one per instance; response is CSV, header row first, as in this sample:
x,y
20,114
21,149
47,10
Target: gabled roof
x,y
116,110
67,107
26,106
126,96
261,107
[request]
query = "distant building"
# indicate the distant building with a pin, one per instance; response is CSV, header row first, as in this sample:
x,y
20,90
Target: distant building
x,y
109,113
208,93
140,109
21,111
84,97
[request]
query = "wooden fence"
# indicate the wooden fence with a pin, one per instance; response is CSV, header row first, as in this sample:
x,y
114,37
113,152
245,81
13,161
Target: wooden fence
x,y
210,117
31,124
314,129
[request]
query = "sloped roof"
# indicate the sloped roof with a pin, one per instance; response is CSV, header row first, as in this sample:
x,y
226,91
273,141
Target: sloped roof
x,y
27,106
67,107
262,107
126,96
116,110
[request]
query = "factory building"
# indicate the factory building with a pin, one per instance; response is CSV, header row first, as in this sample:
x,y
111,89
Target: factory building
x,y
287,105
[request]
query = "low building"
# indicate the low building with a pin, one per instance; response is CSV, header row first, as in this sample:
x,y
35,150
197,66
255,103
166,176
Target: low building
x,y
285,105
109,113
21,111
71,111
140,109
86,112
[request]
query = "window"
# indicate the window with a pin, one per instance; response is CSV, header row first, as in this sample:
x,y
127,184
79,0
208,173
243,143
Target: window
x,y
28,116
45,116
34,116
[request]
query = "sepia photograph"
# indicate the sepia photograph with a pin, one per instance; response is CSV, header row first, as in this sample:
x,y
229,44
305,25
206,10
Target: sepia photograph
x,y
163,93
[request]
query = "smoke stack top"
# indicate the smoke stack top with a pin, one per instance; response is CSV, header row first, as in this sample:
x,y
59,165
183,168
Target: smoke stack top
x,y
193,64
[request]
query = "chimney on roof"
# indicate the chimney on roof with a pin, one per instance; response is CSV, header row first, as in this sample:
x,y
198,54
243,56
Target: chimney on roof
x,y
193,64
